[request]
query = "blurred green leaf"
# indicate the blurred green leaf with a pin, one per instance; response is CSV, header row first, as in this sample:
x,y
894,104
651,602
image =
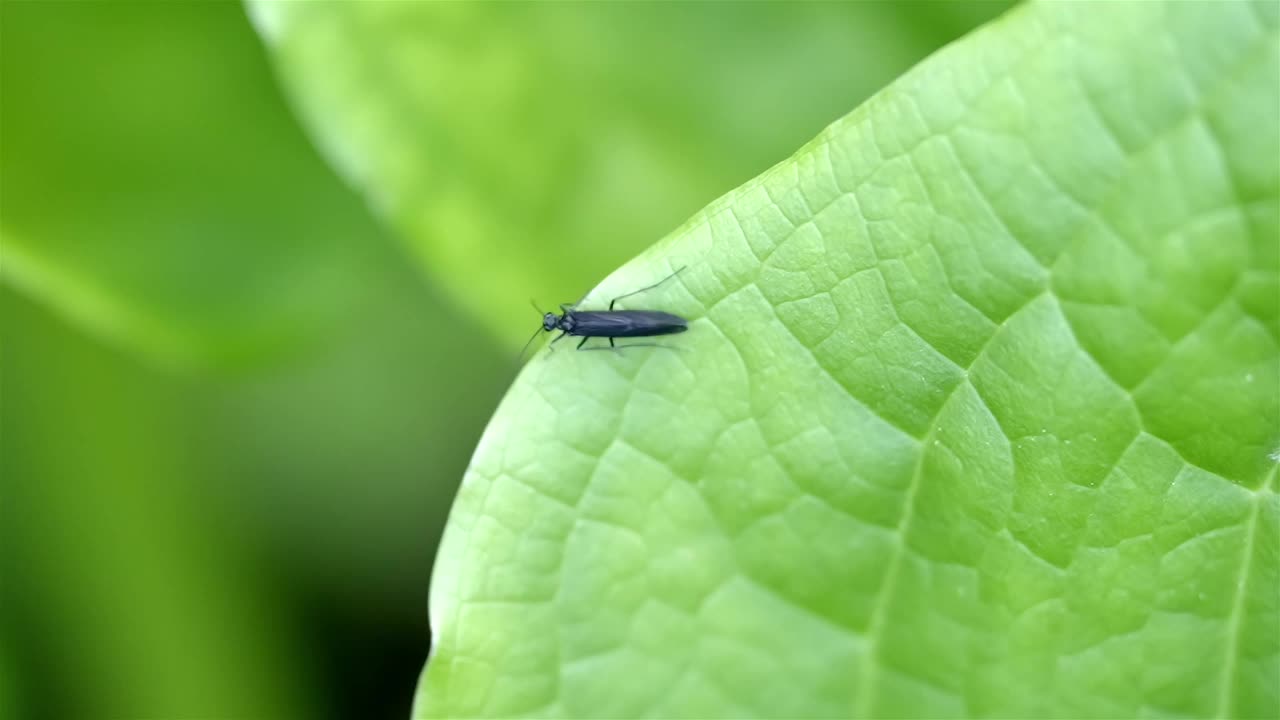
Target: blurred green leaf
x,y
523,149
346,460
128,591
156,189
977,414
10,701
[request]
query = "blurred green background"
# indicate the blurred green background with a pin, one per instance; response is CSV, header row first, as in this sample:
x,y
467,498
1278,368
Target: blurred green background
x,y
236,401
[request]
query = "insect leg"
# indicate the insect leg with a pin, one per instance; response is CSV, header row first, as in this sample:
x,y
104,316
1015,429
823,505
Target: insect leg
x,y
620,348
649,287
611,343
584,341
555,340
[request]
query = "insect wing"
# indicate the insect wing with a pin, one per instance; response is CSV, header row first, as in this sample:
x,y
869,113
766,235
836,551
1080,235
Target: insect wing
x,y
627,323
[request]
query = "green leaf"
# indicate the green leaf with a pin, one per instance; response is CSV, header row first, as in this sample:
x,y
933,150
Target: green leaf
x,y
524,149
977,414
156,189
130,590
360,445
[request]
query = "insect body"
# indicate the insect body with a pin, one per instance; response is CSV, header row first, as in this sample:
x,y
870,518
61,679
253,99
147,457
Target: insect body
x,y
611,323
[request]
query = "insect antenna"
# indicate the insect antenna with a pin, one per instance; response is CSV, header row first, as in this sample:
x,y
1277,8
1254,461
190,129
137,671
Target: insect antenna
x,y
526,345
534,303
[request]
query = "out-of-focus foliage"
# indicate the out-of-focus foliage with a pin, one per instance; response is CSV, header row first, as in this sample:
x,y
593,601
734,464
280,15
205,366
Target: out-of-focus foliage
x,y
9,702
349,458
156,189
524,149
977,414
323,481
215,543
128,587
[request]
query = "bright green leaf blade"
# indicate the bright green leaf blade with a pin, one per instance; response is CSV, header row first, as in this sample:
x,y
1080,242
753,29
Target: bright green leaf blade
x,y
156,189
977,414
524,149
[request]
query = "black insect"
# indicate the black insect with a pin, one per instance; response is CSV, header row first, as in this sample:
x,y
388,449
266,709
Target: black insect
x,y
611,323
